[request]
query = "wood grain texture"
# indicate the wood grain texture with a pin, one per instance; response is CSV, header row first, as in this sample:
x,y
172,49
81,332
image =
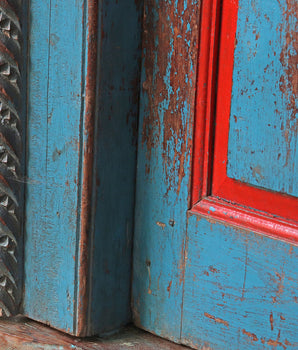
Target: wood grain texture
x,y
240,289
24,334
56,103
170,39
120,25
263,124
82,161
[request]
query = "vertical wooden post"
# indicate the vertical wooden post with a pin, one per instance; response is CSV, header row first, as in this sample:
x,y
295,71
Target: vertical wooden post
x,y
83,81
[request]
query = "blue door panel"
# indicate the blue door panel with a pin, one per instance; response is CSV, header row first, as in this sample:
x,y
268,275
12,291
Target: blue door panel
x,y
263,122
240,289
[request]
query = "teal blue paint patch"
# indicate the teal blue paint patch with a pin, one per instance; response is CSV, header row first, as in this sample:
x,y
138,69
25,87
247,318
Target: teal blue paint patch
x,y
240,289
263,121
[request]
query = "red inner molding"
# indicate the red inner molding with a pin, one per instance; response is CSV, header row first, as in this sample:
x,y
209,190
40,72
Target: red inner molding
x,y
213,192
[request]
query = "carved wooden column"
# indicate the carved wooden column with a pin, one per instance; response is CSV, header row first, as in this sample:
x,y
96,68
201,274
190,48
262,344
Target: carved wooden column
x,y
10,153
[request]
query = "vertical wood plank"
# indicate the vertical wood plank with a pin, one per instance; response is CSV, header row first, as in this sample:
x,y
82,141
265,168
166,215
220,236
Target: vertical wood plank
x,y
55,103
118,104
170,39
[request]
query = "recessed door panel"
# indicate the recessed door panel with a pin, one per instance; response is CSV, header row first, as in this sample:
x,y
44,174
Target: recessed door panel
x,y
262,147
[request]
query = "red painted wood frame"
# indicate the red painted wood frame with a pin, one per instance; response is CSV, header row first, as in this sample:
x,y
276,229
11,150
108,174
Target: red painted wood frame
x,y
213,192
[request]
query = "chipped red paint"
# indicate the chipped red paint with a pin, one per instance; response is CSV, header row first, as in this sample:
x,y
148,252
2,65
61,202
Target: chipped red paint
x,y
254,220
166,83
207,63
87,172
278,220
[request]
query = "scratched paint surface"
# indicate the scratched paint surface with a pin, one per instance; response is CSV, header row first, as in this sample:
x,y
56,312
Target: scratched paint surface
x,y
240,289
55,102
263,123
119,79
163,170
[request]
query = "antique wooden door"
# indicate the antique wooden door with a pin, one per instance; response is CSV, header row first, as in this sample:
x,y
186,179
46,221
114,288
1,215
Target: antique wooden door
x,y
216,211
216,223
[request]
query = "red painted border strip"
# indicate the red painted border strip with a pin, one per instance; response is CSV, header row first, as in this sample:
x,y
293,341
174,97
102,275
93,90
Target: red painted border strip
x,y
274,203
207,65
248,219
222,186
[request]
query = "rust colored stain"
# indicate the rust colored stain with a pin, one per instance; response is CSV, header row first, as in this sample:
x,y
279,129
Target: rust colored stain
x,y
251,335
280,283
148,264
87,177
271,321
289,81
169,288
213,269
275,343
216,319
169,83
183,260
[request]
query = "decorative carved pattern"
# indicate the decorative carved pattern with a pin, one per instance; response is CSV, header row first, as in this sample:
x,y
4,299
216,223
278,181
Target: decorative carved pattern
x,y
10,152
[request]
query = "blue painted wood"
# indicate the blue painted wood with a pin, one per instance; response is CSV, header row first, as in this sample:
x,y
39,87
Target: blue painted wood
x,y
55,290
118,96
164,158
55,102
240,289
263,124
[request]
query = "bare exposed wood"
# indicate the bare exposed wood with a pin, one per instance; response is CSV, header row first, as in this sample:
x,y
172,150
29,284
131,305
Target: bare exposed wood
x,y
25,334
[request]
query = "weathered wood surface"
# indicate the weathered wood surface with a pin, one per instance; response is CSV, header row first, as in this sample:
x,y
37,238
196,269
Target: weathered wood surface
x,y
56,88
24,334
81,162
263,124
170,39
240,289
118,96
